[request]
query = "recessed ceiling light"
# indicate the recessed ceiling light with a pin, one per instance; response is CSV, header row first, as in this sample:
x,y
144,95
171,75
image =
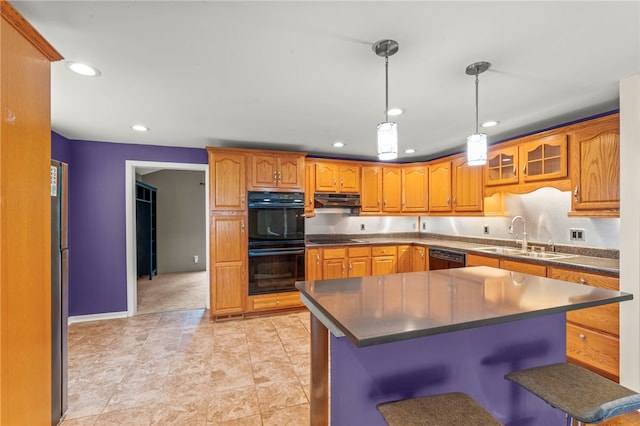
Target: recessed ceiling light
x,y
83,69
140,128
338,144
409,151
490,123
395,111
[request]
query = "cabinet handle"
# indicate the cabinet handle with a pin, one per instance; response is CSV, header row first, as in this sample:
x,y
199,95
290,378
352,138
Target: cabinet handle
x,y
242,199
524,169
378,203
422,255
277,302
343,266
515,171
455,201
341,182
384,203
581,336
582,281
448,201
242,226
317,257
576,193
275,176
279,176
350,266
334,181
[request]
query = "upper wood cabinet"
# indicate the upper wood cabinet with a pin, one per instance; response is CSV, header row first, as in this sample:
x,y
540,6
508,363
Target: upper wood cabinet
x,y
467,186
415,189
394,189
440,187
371,193
269,172
337,177
309,189
544,158
456,187
595,158
502,166
391,189
227,189
532,159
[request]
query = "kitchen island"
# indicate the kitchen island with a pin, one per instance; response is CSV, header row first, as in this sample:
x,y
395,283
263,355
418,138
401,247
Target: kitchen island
x,y
405,335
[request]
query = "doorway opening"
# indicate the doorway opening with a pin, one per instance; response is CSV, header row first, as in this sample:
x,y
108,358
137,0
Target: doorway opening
x,y
183,238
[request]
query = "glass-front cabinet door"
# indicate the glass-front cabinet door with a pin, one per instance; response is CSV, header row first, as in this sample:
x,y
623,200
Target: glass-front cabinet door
x,y
502,166
544,158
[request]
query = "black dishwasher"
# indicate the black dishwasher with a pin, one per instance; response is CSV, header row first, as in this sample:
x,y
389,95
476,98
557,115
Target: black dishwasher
x,y
445,259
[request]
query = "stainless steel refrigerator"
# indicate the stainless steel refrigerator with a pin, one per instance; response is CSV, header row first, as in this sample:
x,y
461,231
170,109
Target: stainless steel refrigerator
x,y
59,291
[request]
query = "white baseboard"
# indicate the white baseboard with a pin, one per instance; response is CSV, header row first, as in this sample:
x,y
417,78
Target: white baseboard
x,y
96,317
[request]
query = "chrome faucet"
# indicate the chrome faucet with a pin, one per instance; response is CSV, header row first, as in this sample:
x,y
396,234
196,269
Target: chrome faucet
x,y
524,230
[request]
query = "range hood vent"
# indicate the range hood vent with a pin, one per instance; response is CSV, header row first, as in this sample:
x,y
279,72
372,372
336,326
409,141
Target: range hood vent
x,y
337,200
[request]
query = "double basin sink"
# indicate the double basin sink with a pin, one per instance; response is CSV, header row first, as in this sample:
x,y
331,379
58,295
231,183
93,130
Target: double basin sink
x,y
517,252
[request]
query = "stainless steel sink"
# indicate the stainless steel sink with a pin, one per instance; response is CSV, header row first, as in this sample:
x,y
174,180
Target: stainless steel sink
x,y
517,252
501,250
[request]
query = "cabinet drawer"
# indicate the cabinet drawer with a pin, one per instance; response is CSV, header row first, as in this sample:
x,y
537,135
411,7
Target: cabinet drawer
x,y
383,251
277,301
334,253
605,318
525,268
359,251
597,351
604,281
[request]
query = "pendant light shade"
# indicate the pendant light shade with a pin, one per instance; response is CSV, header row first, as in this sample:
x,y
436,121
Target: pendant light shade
x,y
387,130
387,141
477,142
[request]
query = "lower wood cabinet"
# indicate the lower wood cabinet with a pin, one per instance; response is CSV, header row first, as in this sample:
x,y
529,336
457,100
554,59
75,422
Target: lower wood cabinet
x,y
313,264
334,263
524,267
593,333
359,260
420,258
228,264
479,260
383,260
405,259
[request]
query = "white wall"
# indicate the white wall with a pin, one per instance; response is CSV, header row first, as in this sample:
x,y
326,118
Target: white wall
x,y
630,223
545,211
338,221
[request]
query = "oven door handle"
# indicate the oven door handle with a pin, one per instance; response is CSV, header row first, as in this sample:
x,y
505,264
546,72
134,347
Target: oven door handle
x,y
278,252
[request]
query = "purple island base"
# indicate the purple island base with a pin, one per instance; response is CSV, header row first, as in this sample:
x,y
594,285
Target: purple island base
x,y
473,361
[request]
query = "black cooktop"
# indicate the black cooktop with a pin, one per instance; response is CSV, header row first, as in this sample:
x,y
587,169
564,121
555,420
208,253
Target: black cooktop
x,y
331,240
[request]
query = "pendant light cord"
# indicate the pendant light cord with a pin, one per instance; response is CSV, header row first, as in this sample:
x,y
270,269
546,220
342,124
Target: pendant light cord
x,y
386,89
477,131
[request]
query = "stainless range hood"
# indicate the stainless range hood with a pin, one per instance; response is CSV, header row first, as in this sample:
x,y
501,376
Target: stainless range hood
x,y
337,200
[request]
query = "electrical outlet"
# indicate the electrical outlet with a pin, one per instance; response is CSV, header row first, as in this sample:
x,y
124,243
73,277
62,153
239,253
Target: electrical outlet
x,y
485,229
576,234
195,259
362,226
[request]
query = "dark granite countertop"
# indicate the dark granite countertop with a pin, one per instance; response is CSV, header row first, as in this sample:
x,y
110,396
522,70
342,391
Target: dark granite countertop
x,y
387,308
582,258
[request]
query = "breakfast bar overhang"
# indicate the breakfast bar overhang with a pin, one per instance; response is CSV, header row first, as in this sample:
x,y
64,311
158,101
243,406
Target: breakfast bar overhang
x,y
455,330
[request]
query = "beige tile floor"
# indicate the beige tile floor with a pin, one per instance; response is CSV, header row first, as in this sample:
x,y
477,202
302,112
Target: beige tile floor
x,y
172,292
178,368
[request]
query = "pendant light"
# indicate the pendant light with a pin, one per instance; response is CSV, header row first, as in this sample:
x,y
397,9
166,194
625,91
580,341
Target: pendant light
x,y
388,130
477,142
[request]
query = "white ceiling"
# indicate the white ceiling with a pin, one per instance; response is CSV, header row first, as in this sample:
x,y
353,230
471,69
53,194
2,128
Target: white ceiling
x,y
301,75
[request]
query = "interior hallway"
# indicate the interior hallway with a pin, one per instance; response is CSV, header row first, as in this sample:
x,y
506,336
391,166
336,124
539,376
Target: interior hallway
x,y
175,291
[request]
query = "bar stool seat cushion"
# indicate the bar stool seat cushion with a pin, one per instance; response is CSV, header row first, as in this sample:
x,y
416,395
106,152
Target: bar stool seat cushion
x,y
578,392
454,408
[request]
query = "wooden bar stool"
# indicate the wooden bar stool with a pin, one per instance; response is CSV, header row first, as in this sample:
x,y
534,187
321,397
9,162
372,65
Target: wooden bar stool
x,y
444,409
582,394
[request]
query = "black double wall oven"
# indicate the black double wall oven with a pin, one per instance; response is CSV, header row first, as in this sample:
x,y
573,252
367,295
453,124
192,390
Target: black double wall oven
x,y
276,241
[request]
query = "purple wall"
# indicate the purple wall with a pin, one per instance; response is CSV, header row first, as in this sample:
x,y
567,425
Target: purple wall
x,y
60,148
97,228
